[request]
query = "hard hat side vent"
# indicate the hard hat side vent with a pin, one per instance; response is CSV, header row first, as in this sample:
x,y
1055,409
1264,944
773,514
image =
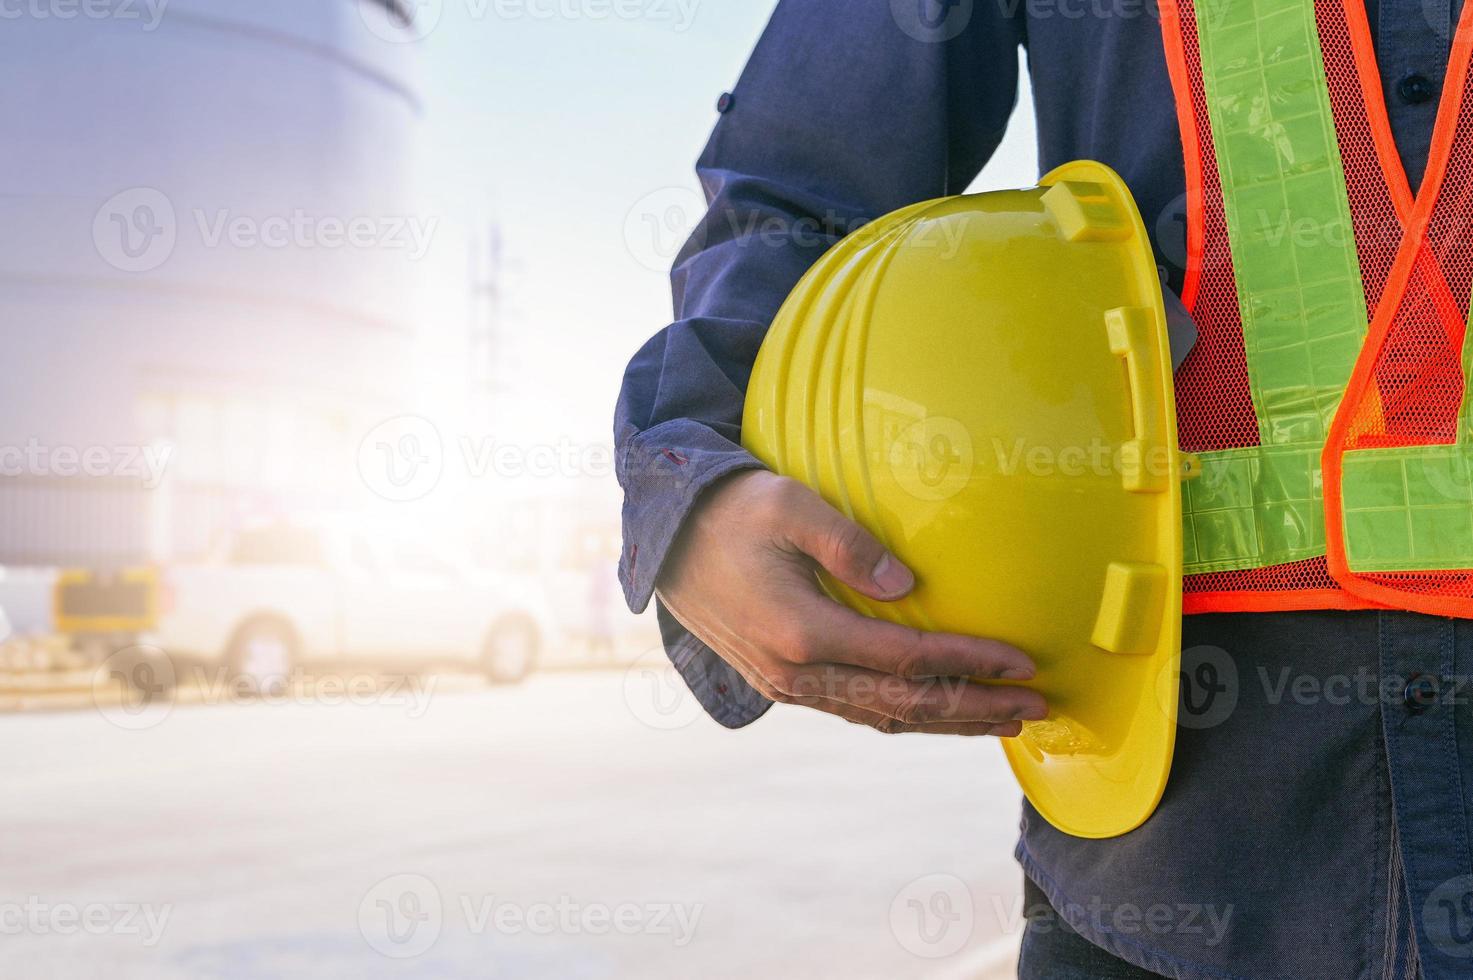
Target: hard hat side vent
x,y
1085,212
1146,459
1129,621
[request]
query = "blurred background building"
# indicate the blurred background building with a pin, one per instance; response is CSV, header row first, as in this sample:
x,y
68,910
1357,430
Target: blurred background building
x,y
144,166
222,284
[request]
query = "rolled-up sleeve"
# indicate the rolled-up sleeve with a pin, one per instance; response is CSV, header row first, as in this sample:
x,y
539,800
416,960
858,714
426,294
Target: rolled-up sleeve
x,y
847,110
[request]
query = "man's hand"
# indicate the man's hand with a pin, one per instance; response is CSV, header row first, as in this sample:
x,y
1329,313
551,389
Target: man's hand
x,y
741,578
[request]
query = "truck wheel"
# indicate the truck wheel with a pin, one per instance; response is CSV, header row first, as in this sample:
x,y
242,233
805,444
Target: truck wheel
x,y
510,651
261,656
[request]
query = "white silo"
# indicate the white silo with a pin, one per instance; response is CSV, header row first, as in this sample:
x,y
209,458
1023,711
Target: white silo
x,y
209,249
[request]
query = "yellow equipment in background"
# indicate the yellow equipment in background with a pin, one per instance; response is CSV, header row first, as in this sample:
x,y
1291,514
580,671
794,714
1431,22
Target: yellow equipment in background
x,y
984,382
88,603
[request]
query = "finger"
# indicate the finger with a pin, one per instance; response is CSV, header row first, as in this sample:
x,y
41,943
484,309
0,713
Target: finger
x,y
913,702
845,550
885,724
841,635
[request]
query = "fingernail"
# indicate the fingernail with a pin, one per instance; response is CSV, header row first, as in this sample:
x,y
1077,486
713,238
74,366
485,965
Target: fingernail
x,y
1031,714
1018,674
891,577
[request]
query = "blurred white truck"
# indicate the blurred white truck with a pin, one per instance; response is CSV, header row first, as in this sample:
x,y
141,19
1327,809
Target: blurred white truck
x,y
289,595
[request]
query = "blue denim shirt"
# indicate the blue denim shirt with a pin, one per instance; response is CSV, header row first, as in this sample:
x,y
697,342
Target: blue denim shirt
x,y
849,109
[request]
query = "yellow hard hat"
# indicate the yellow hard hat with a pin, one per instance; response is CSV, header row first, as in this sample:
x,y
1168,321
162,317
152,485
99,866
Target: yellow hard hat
x,y
984,382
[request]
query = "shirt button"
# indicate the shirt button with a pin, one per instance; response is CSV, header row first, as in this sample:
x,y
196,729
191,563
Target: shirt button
x,y
1415,88
724,104
1421,692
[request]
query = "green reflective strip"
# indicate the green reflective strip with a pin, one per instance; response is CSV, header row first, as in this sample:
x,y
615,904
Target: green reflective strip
x,y
1408,509
1299,289
1411,508
1252,502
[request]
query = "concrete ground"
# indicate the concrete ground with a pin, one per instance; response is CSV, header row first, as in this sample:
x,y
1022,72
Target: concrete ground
x,y
581,825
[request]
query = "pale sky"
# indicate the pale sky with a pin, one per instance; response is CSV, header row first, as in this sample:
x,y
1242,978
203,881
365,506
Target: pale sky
x,y
557,127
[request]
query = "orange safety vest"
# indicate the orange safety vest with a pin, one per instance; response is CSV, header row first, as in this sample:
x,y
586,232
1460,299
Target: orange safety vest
x,y
1326,393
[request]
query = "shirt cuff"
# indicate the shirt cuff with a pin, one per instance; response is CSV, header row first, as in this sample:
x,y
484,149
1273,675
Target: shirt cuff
x,y
664,470
721,690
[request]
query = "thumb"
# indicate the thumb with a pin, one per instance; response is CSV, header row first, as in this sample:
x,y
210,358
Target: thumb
x,y
847,551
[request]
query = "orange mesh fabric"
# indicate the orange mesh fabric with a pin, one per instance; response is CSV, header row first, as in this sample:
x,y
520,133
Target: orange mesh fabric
x,y
1418,369
1303,584
1373,214
1214,404
1413,392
